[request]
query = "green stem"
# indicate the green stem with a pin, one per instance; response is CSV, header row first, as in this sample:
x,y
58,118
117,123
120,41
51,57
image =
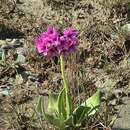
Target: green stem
x,y
66,87
63,72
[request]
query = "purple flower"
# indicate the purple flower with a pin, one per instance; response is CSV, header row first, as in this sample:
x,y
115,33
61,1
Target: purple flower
x,y
71,34
47,42
69,41
52,43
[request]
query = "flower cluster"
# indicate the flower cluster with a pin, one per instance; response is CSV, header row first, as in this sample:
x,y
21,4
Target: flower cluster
x,y
51,43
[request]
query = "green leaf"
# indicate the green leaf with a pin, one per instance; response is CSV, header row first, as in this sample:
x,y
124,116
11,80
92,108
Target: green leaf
x,y
57,109
69,105
79,115
20,59
56,113
40,106
93,103
50,117
56,121
53,104
86,109
64,105
61,104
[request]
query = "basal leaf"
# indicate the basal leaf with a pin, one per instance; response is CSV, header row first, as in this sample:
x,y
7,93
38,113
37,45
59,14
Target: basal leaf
x,y
86,109
79,115
40,106
69,105
61,104
53,103
49,116
56,121
93,103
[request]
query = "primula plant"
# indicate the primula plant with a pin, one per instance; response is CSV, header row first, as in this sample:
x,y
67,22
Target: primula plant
x,y
60,111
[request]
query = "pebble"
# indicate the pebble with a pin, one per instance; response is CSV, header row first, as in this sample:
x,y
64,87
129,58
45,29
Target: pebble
x,y
2,42
11,43
8,40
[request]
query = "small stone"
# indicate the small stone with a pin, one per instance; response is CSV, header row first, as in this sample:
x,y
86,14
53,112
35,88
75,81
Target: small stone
x,y
113,102
2,42
16,42
18,79
22,51
118,93
33,78
8,40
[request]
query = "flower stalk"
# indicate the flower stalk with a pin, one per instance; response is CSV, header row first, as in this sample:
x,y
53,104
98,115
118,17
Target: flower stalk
x,y
63,73
66,87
